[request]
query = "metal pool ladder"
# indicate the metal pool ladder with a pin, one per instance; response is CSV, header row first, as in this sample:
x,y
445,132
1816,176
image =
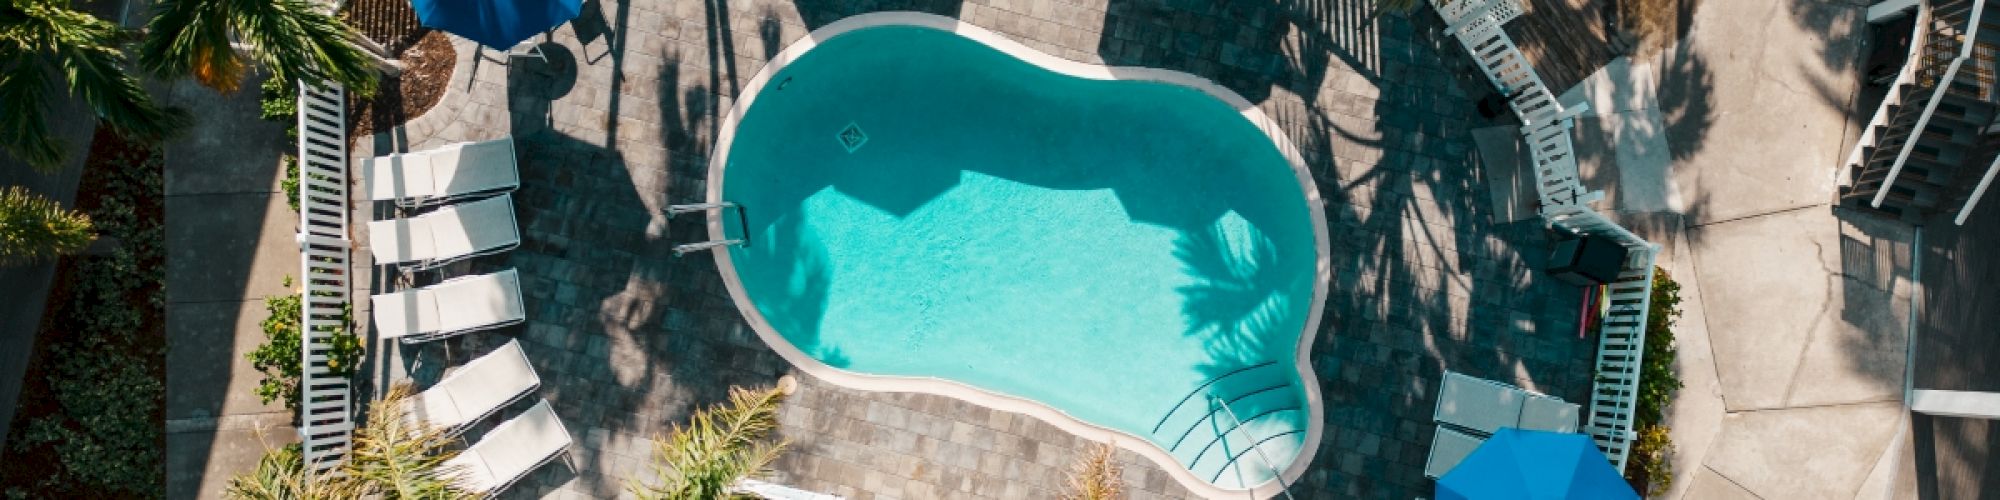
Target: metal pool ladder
x,y
742,220
1255,446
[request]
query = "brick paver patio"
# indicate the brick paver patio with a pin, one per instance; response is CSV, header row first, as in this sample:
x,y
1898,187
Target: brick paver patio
x,y
628,339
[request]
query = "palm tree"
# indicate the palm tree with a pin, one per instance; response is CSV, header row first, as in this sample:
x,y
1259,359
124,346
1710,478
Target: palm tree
x,y
393,457
397,457
34,228
1095,476
43,41
720,446
294,39
281,475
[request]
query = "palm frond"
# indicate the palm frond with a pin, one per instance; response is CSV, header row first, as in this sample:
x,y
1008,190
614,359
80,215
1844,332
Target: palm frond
x,y
42,41
719,446
34,228
293,39
281,475
395,456
24,128
1095,476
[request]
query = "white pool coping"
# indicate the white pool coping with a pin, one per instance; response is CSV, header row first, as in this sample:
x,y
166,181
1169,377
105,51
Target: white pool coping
x,y
931,385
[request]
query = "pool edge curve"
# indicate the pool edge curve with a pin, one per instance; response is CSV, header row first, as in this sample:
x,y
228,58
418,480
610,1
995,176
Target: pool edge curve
x,y
718,161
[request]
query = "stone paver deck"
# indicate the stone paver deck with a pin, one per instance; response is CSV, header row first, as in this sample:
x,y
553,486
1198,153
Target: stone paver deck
x,y
629,339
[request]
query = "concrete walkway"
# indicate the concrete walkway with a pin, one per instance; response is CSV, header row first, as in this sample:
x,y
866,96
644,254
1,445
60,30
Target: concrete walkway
x,y
1722,148
229,245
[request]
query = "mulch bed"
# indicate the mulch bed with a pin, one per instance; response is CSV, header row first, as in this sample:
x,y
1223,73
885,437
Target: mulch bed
x,y
27,469
388,22
427,69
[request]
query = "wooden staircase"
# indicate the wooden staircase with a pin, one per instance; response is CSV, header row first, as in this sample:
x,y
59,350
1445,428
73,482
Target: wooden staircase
x,y
1944,154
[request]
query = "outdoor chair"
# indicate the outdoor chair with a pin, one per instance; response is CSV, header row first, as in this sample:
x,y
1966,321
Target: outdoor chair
x,y
1484,406
512,450
444,174
450,234
475,390
1448,448
1477,404
456,306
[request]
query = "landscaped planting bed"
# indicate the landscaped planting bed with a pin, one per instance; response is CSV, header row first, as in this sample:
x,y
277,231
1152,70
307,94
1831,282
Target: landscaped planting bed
x,y
88,421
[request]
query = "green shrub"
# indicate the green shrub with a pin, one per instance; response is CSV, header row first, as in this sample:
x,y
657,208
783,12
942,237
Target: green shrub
x,y
280,104
290,183
103,369
34,228
1657,380
280,355
1650,453
105,443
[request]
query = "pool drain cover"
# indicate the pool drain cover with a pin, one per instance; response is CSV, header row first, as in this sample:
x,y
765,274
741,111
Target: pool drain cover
x,y
852,137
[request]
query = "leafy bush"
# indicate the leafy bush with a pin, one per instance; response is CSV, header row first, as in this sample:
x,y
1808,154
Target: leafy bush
x,y
290,183
1657,380
280,355
105,442
1649,453
280,104
92,421
34,228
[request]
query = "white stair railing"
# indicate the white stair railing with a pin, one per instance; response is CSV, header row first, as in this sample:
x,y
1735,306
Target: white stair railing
x,y
1545,125
1937,95
1919,37
327,408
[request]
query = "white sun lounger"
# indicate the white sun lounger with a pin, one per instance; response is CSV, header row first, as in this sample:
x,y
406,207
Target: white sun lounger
x,y
450,234
1448,448
1484,406
512,450
456,306
475,390
443,174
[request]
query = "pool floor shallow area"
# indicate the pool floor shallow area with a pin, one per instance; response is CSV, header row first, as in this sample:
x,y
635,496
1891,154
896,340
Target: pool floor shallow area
x,y
1133,254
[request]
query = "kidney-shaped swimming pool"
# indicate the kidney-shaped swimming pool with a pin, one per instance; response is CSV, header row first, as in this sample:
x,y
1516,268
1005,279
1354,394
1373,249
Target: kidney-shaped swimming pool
x,y
1134,255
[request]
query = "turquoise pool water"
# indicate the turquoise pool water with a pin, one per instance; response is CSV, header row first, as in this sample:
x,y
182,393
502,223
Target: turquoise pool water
x,y
1121,251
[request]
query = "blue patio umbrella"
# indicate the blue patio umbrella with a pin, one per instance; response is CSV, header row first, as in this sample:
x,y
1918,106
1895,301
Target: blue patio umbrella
x,y
1523,464
495,23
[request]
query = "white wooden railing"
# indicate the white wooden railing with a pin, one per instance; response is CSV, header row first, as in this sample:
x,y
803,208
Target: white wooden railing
x,y
1621,338
327,408
1919,37
1930,108
1565,203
